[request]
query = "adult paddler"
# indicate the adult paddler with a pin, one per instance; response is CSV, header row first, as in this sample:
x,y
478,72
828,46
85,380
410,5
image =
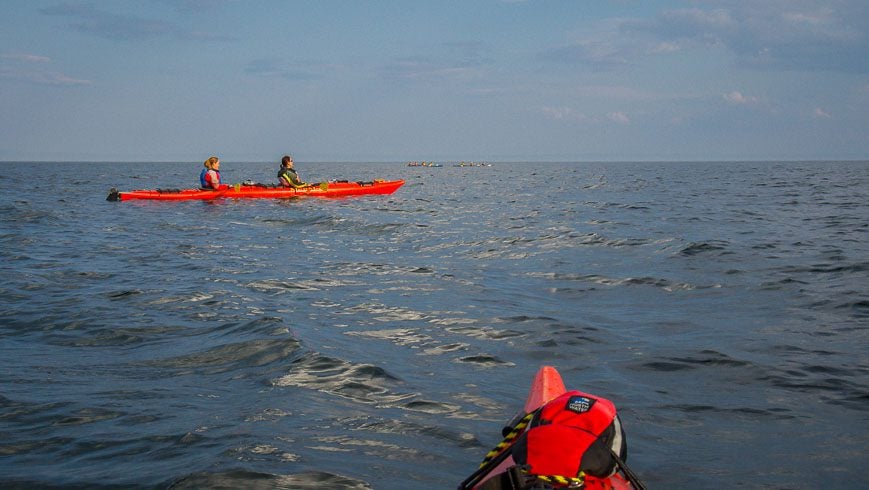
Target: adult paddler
x,y
288,176
209,178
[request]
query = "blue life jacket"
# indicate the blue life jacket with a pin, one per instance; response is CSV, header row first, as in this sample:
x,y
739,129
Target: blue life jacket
x,y
204,183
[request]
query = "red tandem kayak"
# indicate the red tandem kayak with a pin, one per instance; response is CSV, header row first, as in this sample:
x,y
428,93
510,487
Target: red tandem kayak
x,y
511,464
262,191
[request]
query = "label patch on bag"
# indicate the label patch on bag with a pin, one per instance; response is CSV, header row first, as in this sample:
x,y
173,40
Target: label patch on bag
x,y
580,404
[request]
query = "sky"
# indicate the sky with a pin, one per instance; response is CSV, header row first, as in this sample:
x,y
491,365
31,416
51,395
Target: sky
x,y
440,80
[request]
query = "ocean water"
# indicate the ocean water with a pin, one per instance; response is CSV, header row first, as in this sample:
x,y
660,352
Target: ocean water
x,y
382,341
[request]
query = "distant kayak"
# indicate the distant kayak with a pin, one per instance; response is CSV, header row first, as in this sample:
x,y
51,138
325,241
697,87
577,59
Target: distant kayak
x,y
261,191
561,439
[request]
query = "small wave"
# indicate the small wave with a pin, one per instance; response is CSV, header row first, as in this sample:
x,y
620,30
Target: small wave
x,y
275,286
595,186
228,357
666,366
378,449
697,248
782,283
766,246
268,415
402,426
596,239
706,358
266,325
445,348
629,206
486,333
302,221
26,215
858,308
744,412
111,336
570,334
24,447
431,407
373,230
28,414
88,416
661,283
828,383
179,300
249,479
118,295
263,452
373,268
388,313
398,336
453,321
830,268
485,360
363,383
525,318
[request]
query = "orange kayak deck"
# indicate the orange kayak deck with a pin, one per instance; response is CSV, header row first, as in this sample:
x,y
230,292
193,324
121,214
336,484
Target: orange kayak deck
x,y
547,385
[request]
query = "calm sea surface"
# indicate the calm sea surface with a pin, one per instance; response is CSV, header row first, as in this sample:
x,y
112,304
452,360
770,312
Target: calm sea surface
x,y
382,341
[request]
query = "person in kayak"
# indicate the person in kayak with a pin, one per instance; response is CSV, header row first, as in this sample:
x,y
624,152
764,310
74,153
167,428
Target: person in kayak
x,y
288,176
209,178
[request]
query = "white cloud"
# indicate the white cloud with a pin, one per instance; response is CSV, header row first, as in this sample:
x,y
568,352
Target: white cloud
x,y
811,19
557,113
600,53
664,48
617,92
41,77
563,114
699,19
821,113
738,98
30,58
619,117
34,68
775,34
93,20
428,68
567,114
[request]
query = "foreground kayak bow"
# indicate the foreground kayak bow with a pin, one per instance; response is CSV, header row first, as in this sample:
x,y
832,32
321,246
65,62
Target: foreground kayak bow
x,y
545,436
262,191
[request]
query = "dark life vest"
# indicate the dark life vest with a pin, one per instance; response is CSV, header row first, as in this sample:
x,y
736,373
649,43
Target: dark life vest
x,y
573,434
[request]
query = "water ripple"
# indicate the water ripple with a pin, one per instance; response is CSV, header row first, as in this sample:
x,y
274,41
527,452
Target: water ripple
x,y
363,383
254,480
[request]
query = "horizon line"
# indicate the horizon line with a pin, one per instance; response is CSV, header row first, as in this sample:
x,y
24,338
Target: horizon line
x,y
769,160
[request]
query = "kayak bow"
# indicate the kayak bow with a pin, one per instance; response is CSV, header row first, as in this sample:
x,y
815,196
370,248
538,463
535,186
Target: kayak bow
x,y
500,471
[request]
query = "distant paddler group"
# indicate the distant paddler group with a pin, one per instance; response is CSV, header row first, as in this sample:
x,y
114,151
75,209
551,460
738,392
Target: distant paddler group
x,y
459,164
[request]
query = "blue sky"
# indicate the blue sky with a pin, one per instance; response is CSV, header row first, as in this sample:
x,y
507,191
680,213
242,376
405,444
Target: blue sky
x,y
354,80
